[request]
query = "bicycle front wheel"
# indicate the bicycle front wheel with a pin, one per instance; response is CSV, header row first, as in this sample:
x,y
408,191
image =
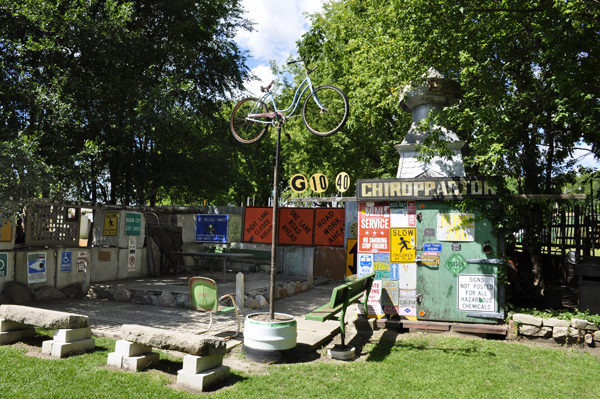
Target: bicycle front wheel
x,y
246,118
329,119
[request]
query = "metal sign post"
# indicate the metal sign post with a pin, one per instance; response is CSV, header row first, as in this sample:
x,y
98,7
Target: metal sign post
x,y
274,240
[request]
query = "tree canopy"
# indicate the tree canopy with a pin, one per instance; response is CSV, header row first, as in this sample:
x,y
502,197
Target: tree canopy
x,y
528,72
122,99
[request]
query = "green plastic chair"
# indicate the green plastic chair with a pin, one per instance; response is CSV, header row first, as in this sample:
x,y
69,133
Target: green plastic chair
x,y
203,296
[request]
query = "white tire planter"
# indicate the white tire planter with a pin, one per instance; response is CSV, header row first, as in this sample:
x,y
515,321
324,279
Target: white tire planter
x,y
270,341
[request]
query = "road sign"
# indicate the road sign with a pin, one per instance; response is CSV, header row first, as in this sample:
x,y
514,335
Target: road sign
x,y
342,182
299,183
66,261
318,183
403,243
111,220
133,224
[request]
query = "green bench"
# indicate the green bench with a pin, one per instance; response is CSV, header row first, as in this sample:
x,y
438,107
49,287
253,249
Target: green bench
x,y
259,257
342,296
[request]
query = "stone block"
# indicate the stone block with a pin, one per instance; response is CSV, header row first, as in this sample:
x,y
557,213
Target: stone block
x,y
159,338
9,337
596,336
128,349
133,363
205,380
553,322
583,325
561,333
64,335
528,319
50,319
534,331
196,364
60,350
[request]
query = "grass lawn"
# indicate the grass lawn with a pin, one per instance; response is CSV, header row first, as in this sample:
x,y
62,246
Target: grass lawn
x,y
404,366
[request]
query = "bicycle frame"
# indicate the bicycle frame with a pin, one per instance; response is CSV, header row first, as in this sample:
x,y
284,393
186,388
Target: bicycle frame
x,y
281,114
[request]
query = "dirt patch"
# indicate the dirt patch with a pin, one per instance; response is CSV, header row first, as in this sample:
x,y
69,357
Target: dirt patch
x,y
266,317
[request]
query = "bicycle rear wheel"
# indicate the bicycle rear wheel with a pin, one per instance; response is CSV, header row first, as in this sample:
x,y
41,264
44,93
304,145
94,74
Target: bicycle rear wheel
x,y
330,119
249,131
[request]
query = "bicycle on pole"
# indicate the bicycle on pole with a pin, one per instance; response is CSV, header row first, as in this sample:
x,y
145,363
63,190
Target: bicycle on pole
x,y
324,112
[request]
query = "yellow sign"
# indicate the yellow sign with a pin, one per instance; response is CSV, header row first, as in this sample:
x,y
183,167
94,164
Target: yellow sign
x,y
430,260
299,183
110,223
318,183
351,256
5,230
403,242
342,182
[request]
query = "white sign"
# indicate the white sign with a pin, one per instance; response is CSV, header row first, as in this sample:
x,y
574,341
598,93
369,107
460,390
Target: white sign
x,y
36,267
131,255
456,227
82,257
476,293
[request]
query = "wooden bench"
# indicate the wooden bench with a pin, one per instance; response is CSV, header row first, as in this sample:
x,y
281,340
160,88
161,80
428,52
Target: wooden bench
x,y
202,366
342,296
72,332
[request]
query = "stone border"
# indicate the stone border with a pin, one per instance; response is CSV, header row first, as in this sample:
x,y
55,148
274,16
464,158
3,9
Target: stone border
x,y
562,331
253,299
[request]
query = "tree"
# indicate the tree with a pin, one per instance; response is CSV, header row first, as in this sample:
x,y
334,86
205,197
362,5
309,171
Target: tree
x,y
123,98
528,71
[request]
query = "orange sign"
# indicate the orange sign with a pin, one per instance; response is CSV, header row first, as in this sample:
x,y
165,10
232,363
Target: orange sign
x,y
329,226
296,226
258,225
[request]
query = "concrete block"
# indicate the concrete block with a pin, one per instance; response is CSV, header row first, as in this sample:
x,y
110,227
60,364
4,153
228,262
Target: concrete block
x,y
21,267
142,362
65,335
9,337
7,325
196,364
128,348
132,363
60,350
528,319
205,380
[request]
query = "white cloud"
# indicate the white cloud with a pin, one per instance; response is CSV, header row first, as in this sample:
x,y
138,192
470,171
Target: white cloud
x,y
278,25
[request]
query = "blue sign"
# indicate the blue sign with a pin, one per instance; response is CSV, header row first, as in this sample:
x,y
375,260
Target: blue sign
x,y
365,264
432,246
394,271
211,228
66,261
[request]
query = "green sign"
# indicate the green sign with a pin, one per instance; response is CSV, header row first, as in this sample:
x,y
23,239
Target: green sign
x,y
456,263
133,224
3,265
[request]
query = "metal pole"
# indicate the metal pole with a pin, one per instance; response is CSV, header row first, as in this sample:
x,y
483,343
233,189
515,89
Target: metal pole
x,y
274,241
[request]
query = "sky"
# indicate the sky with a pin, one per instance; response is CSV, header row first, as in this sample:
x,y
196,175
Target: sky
x,y
278,25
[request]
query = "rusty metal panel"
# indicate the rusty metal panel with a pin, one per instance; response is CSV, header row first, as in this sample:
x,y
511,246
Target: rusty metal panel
x,y
480,329
426,325
52,224
330,262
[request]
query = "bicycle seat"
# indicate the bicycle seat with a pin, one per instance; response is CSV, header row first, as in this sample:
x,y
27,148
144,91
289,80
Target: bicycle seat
x,y
266,89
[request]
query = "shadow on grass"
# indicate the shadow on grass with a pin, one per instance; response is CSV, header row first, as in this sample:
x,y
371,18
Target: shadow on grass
x,y
388,342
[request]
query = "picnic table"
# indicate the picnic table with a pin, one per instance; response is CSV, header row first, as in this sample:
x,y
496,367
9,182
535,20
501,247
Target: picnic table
x,y
198,256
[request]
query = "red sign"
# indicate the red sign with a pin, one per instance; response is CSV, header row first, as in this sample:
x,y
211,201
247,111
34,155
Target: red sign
x,y
296,226
412,207
329,226
374,227
258,225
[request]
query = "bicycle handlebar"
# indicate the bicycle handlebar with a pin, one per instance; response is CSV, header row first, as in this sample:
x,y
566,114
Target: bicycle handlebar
x,y
308,70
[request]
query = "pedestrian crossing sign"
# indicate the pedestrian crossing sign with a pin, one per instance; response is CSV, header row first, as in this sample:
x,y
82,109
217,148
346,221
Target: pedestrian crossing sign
x,y
403,243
